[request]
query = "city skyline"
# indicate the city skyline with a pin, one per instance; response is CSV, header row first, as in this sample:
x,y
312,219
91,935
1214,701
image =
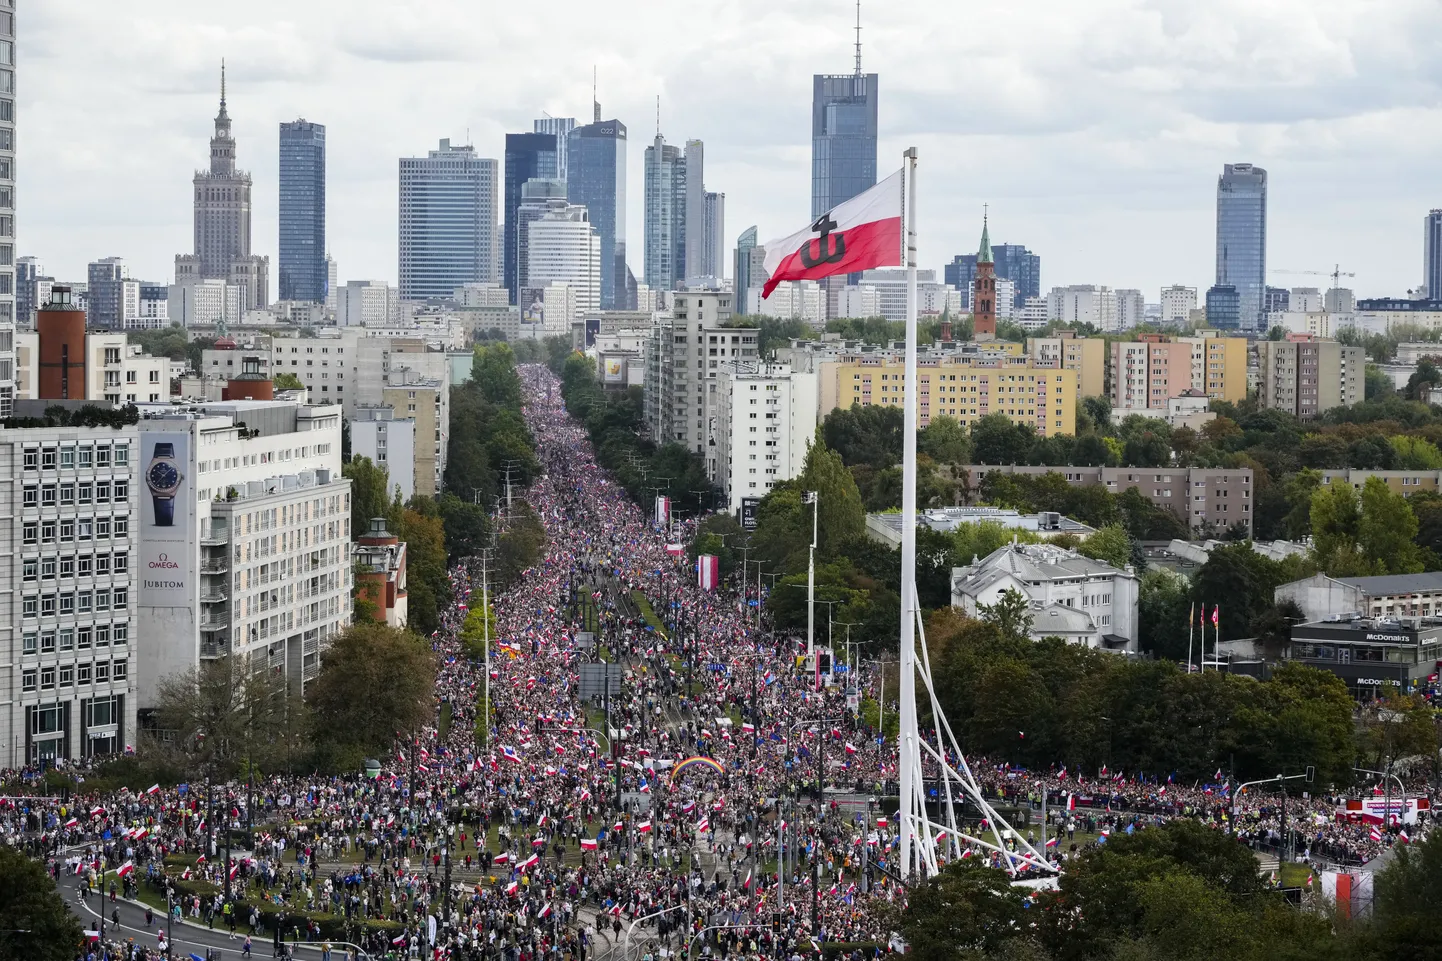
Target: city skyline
x,y
1079,162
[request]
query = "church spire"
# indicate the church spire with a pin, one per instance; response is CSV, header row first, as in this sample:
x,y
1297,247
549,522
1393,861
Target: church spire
x,y
983,256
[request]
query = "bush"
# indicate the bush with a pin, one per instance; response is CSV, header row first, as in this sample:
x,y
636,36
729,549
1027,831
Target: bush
x,y
332,927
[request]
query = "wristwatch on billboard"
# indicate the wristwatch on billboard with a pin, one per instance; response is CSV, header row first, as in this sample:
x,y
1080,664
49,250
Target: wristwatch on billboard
x,y
163,478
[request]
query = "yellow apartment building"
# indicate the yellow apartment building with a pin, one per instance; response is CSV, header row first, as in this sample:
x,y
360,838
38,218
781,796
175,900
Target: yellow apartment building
x,y
1087,356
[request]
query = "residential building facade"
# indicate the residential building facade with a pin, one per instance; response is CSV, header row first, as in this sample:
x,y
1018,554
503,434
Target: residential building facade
x,y
427,402
1087,356
961,388
1307,377
389,442
1178,302
683,360
766,416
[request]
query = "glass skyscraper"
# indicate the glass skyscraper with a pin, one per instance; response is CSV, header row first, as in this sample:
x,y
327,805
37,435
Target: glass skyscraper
x,y
1013,262
843,137
447,222
664,223
529,156
743,282
1242,239
303,273
596,179
1432,255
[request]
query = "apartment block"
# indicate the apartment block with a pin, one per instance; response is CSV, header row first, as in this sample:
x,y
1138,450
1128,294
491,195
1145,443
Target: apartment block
x,y
1085,355
1044,399
1197,495
68,503
1306,377
1219,365
766,417
389,442
1148,371
427,402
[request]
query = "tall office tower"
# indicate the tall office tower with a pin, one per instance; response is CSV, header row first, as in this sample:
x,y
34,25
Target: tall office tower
x,y
7,207
332,281
222,222
596,179
563,248
27,275
447,222
1012,262
560,128
713,262
664,215
304,271
694,240
741,276
1432,255
104,293
1242,239
983,292
538,197
529,156
843,134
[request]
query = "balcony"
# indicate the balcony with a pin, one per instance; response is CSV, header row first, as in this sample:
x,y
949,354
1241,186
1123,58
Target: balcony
x,y
215,566
215,620
213,649
214,596
216,537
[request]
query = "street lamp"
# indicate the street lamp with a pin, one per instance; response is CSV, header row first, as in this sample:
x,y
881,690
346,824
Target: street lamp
x,y
814,499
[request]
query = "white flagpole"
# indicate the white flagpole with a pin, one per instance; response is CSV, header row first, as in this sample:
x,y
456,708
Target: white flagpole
x,y
908,750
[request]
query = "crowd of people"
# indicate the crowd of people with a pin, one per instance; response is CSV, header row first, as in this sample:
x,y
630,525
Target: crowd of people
x,y
558,827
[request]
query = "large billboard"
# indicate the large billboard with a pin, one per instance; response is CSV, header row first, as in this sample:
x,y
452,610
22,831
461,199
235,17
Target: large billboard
x,y
167,520
614,370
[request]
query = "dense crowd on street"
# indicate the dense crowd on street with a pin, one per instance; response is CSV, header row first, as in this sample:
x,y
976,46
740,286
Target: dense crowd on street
x,y
566,827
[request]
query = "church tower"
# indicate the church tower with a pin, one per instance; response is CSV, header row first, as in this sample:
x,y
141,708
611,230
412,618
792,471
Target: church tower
x,y
983,290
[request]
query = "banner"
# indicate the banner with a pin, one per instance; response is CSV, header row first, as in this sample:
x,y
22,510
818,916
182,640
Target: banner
x,y
167,518
708,572
663,511
1370,810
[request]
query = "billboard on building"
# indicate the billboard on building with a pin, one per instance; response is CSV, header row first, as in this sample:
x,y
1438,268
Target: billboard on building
x,y
749,508
167,520
614,371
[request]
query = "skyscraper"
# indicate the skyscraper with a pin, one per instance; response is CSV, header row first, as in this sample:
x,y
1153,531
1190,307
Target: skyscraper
x,y
538,198
743,277
1432,255
843,134
714,260
694,239
560,128
664,215
1013,262
303,274
529,156
7,209
596,179
222,222
447,222
563,249
1242,239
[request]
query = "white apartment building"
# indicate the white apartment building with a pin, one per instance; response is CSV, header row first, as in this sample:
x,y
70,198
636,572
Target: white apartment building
x,y
563,248
204,303
1080,600
555,307
116,371
366,303
482,295
683,359
68,610
1033,315
1178,302
798,300
765,421
1304,300
933,300
859,301
244,538
1084,304
389,442
1131,309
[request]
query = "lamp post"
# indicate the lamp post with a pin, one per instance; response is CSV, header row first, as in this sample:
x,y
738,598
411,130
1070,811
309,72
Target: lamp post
x,y
814,499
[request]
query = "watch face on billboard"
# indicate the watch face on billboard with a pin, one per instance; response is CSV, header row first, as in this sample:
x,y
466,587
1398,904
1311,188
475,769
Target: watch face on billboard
x,y
167,510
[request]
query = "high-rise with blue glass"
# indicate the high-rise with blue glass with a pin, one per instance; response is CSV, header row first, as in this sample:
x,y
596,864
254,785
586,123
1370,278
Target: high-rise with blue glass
x,y
303,274
843,137
596,179
1242,240
529,156
447,222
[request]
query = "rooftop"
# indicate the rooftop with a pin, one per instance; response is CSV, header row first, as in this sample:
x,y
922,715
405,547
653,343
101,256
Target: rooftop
x,y
1030,562
887,527
1396,583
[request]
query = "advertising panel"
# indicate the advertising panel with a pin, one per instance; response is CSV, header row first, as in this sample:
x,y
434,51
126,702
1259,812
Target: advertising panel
x,y
749,508
615,370
167,520
1372,810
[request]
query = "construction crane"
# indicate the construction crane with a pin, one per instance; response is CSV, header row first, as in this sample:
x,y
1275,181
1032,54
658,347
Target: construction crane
x,y
1336,273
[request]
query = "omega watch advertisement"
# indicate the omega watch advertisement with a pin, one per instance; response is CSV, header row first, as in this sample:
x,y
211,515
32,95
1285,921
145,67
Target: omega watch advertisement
x,y
168,551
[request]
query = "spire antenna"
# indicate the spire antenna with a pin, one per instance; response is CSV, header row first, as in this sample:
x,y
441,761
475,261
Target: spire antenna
x,y
222,81
658,115
858,38
595,103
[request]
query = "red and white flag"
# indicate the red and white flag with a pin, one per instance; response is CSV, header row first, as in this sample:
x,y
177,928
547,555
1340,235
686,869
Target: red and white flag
x,y
126,868
644,827
588,844
862,233
153,789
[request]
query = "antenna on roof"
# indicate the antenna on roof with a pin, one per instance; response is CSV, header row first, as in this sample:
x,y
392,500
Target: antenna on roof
x,y
595,104
658,115
858,38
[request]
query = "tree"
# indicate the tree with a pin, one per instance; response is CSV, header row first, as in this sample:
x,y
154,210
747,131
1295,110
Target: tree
x,y
1387,529
285,380
428,586
375,682
1407,892
35,922
1011,614
966,912
520,546
1336,516
945,440
865,434
223,711
1416,453
1164,605
840,515
370,494
996,440
1425,376
466,525
1111,545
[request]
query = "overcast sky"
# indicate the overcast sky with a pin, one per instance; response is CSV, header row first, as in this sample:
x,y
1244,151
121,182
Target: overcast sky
x,y
1095,129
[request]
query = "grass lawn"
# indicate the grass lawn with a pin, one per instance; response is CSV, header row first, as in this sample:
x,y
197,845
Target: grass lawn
x,y
1295,875
644,605
443,725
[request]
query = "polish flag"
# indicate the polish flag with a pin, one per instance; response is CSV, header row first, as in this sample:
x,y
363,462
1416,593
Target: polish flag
x,y
502,858
200,860
1051,842
644,827
127,868
1402,836
1071,802
588,844
850,748
530,862
881,822
746,885
153,789
618,826
545,912
513,887
861,233
1374,834
703,825
71,823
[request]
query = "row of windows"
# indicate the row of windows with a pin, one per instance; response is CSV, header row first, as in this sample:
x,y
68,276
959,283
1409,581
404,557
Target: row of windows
x,y
84,492
70,457
82,566
74,638
45,532
75,602
103,672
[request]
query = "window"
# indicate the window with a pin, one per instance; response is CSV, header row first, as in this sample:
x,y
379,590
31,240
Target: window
x,y
27,681
120,633
67,457
121,527
84,528
31,459
30,569
102,636
27,643
85,601
67,493
120,456
102,457
29,606
31,497
47,605
67,677
47,458
102,563
102,492
121,491
82,674
87,457
47,495
47,678
102,600
119,670
67,603
118,598
30,533
86,493
121,563
67,639
82,638
67,567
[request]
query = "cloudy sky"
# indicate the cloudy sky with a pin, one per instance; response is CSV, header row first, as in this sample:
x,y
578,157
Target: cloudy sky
x,y
1095,129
